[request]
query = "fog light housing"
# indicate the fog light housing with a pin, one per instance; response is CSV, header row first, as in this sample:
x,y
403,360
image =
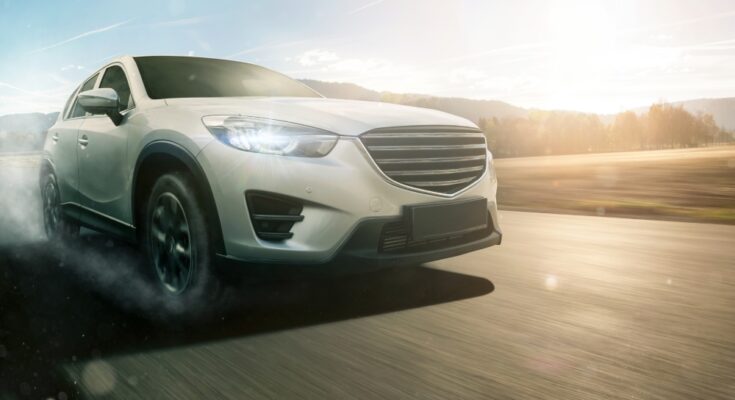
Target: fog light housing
x,y
273,215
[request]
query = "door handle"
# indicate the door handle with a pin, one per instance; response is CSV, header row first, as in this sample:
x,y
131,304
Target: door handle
x,y
55,137
83,141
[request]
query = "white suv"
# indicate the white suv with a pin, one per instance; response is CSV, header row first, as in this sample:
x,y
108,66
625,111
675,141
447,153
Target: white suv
x,y
201,160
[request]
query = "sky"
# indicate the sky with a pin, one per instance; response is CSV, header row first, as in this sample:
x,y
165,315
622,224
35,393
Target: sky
x,y
585,55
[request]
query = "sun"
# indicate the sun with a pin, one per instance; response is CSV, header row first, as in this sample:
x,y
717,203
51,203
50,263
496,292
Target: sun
x,y
582,47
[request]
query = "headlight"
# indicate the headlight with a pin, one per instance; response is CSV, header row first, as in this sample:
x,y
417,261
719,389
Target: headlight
x,y
270,137
491,167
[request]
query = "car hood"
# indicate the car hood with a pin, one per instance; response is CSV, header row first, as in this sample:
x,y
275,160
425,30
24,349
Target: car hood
x,y
345,117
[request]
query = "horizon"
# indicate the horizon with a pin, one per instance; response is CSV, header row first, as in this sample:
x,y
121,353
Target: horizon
x,y
636,109
583,56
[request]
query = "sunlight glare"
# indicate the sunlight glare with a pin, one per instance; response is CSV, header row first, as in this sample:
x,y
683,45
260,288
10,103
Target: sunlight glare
x,y
583,48
551,282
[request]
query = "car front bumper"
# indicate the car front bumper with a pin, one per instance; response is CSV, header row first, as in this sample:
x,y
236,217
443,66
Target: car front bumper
x,y
346,205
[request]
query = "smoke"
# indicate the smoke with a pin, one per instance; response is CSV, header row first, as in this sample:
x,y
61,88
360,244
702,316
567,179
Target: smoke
x,y
20,204
112,269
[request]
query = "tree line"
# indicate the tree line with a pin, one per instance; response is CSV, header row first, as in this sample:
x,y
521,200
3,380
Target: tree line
x,y
663,126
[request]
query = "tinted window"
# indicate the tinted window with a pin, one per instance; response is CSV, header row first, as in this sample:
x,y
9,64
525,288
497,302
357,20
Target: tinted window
x,y
172,77
88,85
114,78
67,105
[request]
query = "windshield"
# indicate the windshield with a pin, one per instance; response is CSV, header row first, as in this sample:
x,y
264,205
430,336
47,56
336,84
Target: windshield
x,y
175,77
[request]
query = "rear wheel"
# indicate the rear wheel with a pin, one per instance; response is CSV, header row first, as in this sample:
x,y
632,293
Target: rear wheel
x,y
179,246
55,224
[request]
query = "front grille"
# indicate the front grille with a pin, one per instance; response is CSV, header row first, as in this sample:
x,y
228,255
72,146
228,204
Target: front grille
x,y
437,159
273,215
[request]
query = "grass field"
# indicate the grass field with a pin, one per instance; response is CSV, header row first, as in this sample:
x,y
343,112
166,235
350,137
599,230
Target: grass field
x,y
688,185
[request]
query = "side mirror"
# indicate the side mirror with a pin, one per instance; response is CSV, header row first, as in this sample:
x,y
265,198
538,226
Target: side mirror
x,y
102,101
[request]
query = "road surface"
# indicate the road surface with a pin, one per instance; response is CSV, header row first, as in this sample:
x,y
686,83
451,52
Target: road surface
x,y
569,307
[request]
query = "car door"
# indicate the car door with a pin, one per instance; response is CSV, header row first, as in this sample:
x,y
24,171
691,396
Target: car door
x,y
103,169
64,145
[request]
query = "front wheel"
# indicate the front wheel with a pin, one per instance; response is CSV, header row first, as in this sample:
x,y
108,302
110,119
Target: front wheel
x,y
179,246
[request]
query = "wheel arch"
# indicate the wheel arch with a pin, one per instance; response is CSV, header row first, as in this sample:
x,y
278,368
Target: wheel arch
x,y
46,167
160,157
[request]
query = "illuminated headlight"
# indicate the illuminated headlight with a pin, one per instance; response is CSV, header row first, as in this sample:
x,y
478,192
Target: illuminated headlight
x,y
491,167
269,136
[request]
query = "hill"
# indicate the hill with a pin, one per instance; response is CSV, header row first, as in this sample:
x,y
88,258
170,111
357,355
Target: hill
x,y
467,108
723,110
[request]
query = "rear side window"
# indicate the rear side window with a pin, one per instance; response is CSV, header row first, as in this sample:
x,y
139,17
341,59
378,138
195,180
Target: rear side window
x,y
78,111
114,78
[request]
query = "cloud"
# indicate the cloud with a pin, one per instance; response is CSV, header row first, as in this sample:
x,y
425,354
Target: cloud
x,y
316,57
526,48
684,22
180,22
364,7
726,44
59,80
15,88
361,65
372,72
80,36
72,67
327,61
104,59
464,75
662,37
272,46
15,99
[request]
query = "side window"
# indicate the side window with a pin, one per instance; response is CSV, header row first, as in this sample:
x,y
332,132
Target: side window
x,y
78,111
114,78
67,105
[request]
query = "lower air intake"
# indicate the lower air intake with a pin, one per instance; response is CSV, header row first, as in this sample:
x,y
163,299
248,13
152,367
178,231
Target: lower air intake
x,y
396,237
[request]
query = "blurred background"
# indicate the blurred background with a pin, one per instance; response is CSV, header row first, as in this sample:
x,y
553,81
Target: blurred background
x,y
541,78
601,108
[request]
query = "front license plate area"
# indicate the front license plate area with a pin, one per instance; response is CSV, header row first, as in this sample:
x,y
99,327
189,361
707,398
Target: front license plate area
x,y
439,220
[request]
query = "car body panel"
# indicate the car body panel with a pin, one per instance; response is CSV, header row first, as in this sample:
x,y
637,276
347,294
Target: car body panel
x,y
103,167
340,191
61,150
344,117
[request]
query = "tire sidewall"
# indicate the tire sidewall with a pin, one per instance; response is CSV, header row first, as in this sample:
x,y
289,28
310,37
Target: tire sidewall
x,y
203,288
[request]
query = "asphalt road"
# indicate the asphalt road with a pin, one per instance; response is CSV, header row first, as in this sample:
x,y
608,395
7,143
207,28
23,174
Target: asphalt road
x,y
569,307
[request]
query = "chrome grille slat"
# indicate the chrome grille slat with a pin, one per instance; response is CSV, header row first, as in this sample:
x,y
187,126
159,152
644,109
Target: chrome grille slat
x,y
427,147
439,159
429,160
420,172
452,182
420,135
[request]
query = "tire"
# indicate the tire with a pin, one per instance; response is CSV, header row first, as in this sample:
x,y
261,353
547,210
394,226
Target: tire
x,y
178,246
56,226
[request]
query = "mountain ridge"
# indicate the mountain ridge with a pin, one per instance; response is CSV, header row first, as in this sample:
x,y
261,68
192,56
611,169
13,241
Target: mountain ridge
x,y
468,108
722,109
